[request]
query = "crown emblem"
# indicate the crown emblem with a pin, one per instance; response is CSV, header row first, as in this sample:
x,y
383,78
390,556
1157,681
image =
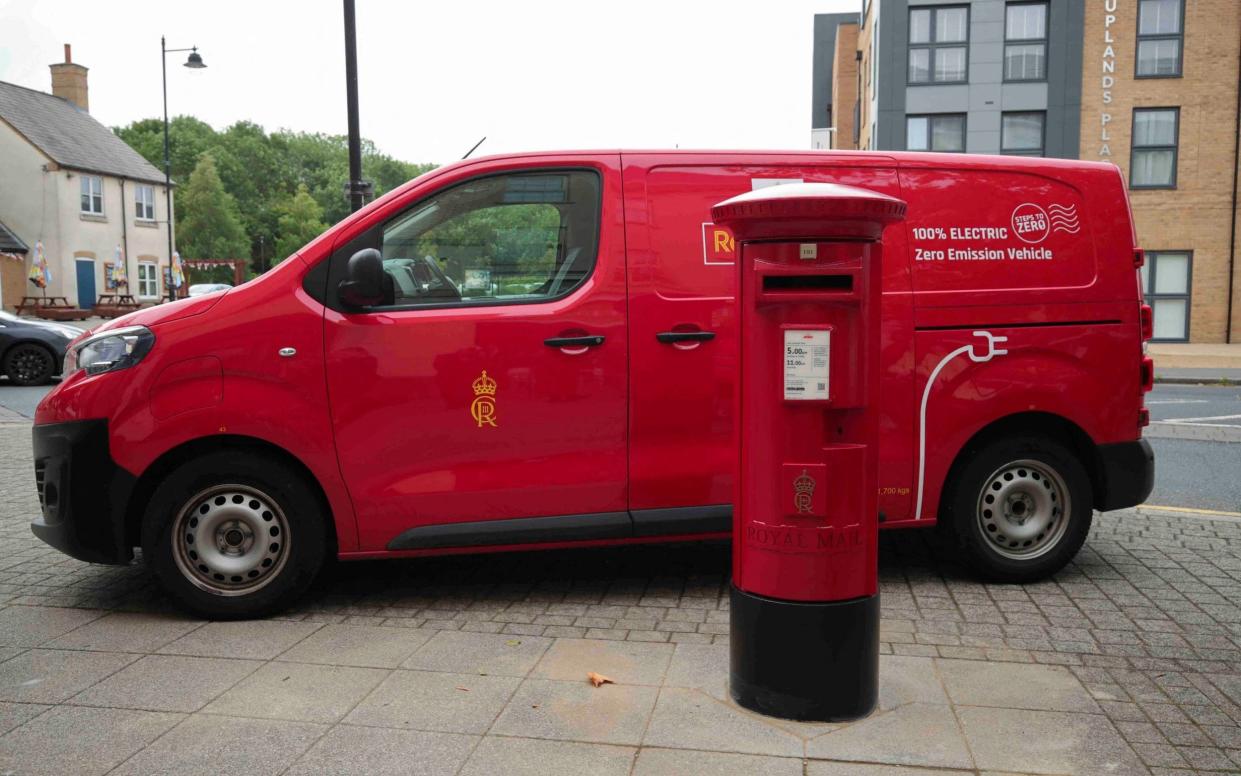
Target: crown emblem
x,y
803,492
484,385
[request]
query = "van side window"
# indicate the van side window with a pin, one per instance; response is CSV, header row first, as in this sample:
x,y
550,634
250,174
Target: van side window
x,y
499,239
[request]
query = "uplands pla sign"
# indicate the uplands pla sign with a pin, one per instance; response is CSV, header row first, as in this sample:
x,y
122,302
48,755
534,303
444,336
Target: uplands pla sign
x,y
1107,77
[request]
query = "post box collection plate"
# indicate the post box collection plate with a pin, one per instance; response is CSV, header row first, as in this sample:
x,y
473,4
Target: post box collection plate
x,y
806,364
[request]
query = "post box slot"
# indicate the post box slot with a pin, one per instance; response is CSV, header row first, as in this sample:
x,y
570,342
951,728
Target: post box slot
x,y
831,284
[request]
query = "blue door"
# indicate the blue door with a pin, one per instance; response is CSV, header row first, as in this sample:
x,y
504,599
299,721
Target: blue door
x,y
86,283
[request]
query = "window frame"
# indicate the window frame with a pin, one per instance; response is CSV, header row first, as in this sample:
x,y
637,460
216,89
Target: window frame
x,y
1151,298
84,180
1043,41
139,188
1041,151
1180,49
930,132
1134,148
373,238
932,44
154,279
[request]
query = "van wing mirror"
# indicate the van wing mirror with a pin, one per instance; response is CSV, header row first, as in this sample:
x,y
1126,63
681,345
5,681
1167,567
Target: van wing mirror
x,y
366,284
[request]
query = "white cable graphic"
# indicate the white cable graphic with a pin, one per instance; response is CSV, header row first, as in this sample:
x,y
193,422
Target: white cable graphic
x,y
992,352
1063,219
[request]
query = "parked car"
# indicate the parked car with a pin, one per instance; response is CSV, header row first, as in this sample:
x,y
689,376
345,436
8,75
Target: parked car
x,y
199,289
528,382
32,352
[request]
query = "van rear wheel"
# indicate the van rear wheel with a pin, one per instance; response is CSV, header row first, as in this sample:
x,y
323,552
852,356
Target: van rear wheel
x,y
1020,508
235,535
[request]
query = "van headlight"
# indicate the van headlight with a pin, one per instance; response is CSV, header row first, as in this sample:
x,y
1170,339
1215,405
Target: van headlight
x,y
110,350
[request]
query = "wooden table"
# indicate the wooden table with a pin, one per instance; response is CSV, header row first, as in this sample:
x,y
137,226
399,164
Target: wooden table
x,y
53,308
112,305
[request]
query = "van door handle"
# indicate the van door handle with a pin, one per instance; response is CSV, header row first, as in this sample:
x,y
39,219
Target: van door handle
x,y
589,341
672,337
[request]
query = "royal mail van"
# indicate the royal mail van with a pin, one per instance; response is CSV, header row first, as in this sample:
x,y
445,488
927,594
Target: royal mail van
x,y
539,350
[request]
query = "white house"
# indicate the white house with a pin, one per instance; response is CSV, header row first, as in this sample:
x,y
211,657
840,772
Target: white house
x,y
68,182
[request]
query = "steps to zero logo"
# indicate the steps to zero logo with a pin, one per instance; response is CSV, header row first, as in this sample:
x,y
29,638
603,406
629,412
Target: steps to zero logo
x,y
1030,223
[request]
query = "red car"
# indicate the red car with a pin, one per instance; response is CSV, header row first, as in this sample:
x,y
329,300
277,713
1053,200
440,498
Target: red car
x,y
539,350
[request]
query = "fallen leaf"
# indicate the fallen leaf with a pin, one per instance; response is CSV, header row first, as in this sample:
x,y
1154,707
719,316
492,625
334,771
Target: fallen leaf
x,y
513,642
534,705
463,689
598,679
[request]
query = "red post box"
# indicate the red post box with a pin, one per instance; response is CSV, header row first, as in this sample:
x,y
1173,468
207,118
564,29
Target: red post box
x,y
805,604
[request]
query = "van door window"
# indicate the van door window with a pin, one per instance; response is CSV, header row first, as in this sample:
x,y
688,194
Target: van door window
x,y
496,240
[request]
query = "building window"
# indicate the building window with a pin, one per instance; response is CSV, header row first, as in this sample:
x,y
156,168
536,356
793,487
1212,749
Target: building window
x,y
1166,284
1159,38
938,45
1153,163
144,203
92,194
148,285
942,132
1025,42
1021,134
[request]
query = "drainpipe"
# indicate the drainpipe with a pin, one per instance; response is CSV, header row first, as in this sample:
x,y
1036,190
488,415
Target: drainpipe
x,y
1232,237
124,241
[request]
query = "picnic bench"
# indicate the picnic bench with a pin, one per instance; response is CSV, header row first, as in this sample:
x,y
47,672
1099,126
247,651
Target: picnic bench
x,y
112,305
52,308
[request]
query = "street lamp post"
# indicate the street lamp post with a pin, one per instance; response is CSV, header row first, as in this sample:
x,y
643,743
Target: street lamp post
x,y
355,188
194,62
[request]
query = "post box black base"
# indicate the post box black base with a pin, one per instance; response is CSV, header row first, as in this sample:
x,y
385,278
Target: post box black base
x,y
804,660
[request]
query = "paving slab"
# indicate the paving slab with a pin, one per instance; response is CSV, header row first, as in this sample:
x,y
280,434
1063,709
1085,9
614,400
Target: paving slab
x,y
577,711
905,680
627,663
80,741
691,719
537,757
14,714
127,632
1015,686
677,762
823,768
358,645
167,683
700,667
298,691
435,701
1051,742
479,653
53,675
919,734
205,743
253,639
347,749
30,626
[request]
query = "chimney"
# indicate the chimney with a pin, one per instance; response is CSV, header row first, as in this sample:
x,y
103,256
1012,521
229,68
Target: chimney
x,y
69,81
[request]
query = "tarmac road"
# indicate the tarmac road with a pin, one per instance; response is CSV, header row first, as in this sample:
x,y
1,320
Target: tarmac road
x,y
1195,431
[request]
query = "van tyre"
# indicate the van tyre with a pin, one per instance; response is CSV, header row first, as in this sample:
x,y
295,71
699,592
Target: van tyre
x,y
1020,508
235,535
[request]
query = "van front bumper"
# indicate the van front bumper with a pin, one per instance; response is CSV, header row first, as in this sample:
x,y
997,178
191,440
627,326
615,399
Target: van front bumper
x,y
82,492
1128,474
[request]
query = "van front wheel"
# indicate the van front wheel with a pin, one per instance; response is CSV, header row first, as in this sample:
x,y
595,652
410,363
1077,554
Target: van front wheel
x,y
1020,508
234,535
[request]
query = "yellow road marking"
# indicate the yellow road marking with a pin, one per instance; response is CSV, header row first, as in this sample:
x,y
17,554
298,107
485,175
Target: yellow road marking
x,y
1192,510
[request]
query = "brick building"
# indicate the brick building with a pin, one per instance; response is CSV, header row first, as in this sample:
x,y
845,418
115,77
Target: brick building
x,y
1150,85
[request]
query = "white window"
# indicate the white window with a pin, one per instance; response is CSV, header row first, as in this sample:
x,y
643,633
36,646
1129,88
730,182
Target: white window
x,y
92,194
942,132
144,203
1166,284
148,285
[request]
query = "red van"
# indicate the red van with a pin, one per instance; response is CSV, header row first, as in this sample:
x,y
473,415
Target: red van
x,y
539,351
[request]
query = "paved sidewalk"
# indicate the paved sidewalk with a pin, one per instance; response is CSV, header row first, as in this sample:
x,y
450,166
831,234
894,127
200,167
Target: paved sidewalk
x,y
1129,662
1183,362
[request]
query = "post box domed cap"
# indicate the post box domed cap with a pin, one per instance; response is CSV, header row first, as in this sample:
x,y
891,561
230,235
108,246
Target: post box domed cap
x,y
828,210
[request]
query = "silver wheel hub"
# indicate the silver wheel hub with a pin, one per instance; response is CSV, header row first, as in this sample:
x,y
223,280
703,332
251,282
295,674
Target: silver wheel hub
x,y
1023,509
230,539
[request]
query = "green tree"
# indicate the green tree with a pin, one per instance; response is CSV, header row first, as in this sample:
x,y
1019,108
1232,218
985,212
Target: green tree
x,y
208,226
300,221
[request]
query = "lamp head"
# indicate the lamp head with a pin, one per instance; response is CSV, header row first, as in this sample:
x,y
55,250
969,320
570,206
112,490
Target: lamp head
x,y
195,60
